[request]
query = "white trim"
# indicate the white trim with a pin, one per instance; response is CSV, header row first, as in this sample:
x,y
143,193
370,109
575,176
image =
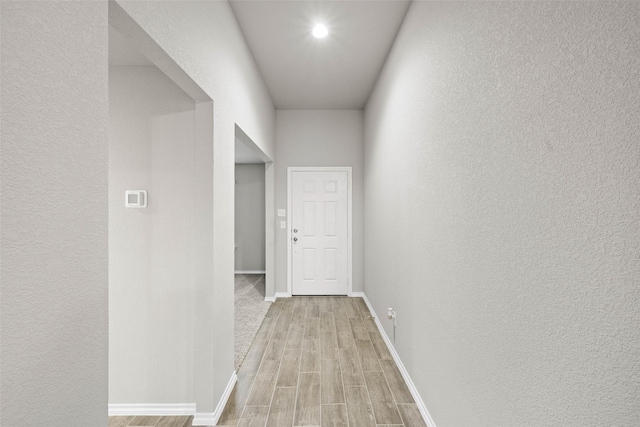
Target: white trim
x,y
204,419
282,295
347,169
250,272
223,401
412,388
116,409
270,299
357,294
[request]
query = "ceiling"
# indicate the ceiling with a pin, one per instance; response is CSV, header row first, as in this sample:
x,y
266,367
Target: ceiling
x,y
304,73
300,71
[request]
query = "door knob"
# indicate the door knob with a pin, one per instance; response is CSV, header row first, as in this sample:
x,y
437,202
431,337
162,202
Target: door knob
x,y
295,230
295,239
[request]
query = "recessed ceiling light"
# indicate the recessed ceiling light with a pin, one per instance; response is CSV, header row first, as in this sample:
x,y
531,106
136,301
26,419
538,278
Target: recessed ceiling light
x,y
320,31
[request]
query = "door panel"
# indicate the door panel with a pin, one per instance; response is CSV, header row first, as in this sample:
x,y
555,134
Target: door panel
x,y
319,233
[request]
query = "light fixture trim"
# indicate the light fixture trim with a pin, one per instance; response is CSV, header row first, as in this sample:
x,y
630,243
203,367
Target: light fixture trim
x,y
320,31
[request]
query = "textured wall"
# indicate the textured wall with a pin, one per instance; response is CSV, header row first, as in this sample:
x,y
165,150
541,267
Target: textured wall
x,y
502,144
319,138
204,39
249,218
151,278
54,214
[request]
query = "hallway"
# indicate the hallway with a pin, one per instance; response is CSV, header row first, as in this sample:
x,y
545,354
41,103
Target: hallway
x,y
320,361
495,208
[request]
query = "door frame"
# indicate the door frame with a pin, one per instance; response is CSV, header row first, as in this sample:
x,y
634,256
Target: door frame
x,y
290,171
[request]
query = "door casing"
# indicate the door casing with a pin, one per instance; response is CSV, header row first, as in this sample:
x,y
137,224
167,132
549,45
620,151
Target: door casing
x,y
290,171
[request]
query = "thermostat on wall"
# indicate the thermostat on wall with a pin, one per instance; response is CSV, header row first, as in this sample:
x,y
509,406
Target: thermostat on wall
x,y
135,199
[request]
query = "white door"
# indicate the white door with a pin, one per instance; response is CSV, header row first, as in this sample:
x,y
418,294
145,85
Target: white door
x,y
319,232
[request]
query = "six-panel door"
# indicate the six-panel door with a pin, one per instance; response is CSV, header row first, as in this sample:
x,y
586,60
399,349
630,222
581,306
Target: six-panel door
x,y
319,233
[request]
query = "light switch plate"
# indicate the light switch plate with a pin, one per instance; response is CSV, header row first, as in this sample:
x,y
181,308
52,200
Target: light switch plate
x,y
282,213
283,224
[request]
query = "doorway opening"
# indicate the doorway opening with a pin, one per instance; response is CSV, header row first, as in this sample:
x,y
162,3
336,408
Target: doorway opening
x,y
161,148
251,252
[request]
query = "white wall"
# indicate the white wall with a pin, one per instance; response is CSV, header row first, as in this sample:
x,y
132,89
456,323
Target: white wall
x,y
54,135
249,218
319,138
151,278
204,39
502,144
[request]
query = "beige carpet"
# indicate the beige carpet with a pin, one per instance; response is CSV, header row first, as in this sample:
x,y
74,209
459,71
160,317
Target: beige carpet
x,y
250,309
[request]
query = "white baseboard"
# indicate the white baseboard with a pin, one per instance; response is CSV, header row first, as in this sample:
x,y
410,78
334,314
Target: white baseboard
x,y
204,419
250,272
160,409
357,294
211,419
270,299
283,295
412,388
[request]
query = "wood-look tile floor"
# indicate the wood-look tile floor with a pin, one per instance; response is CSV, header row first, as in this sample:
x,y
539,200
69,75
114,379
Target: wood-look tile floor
x,y
320,361
149,421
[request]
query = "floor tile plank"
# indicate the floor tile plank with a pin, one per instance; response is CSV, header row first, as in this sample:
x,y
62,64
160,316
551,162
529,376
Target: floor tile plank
x,y
264,383
253,358
328,345
367,355
274,310
336,303
327,322
351,369
310,361
325,304
175,421
345,338
284,320
352,310
313,307
235,405
307,412
282,408
382,351
254,416
266,329
362,307
334,416
275,348
396,383
119,421
411,415
358,330
299,315
289,368
331,382
294,338
359,408
144,421
289,305
312,328
370,325
384,407
343,324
